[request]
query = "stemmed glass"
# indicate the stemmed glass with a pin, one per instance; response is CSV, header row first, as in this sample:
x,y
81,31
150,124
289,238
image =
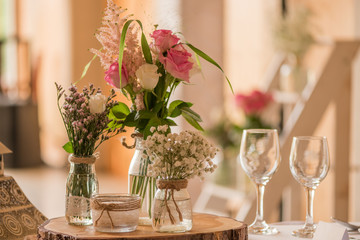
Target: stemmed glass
x,y
260,158
309,164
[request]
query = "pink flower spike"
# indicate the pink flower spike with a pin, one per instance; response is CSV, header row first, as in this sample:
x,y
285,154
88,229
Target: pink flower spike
x,y
112,76
164,39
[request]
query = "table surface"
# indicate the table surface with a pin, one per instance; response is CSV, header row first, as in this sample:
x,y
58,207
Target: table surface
x,y
285,229
205,226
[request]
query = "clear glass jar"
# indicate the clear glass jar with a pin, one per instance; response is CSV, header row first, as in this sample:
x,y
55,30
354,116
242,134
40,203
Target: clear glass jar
x,y
293,75
115,212
172,210
141,184
81,184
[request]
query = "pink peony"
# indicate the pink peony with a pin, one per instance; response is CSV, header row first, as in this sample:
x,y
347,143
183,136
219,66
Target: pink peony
x,y
164,39
177,62
112,75
253,103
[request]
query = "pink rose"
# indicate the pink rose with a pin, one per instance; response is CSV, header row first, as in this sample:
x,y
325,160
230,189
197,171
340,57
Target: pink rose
x,y
177,62
112,75
253,103
164,39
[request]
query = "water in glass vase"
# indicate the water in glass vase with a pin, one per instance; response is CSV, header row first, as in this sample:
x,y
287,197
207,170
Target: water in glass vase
x,y
145,187
81,184
78,210
161,218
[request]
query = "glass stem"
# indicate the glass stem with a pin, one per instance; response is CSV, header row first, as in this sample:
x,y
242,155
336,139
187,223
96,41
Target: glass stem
x,y
260,200
309,207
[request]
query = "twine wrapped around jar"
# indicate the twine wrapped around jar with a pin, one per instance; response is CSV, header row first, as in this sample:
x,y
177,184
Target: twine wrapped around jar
x,y
117,206
87,160
169,184
134,136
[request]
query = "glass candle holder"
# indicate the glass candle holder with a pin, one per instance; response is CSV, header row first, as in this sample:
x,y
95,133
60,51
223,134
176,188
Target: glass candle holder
x,y
115,212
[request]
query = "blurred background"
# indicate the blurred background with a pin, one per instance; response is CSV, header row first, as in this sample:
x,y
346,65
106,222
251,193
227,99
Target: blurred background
x,y
297,59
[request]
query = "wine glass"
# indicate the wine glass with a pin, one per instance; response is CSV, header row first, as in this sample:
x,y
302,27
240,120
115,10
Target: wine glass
x,y
260,158
309,164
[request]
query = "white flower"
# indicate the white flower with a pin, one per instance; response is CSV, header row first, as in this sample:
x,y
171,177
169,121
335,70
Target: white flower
x,y
195,69
162,128
148,76
97,103
180,156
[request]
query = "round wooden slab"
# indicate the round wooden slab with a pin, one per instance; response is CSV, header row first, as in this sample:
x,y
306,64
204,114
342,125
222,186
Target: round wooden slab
x,y
205,226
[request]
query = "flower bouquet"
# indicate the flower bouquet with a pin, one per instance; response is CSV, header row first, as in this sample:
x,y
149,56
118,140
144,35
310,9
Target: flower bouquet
x,y
174,158
85,116
147,74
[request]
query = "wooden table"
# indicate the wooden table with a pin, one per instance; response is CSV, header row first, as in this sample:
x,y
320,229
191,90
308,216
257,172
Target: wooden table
x,y
205,226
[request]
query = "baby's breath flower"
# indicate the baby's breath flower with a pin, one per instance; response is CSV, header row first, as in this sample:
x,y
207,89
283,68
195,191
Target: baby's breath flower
x,y
179,156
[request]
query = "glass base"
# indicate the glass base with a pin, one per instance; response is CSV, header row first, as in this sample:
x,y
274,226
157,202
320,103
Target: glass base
x,y
304,232
79,221
121,229
262,228
145,221
184,226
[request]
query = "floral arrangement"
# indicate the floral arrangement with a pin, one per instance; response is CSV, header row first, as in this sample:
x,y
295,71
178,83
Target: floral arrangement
x,y
227,133
179,156
85,116
147,74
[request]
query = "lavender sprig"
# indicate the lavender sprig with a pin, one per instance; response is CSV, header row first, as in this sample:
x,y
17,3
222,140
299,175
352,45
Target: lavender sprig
x,y
85,117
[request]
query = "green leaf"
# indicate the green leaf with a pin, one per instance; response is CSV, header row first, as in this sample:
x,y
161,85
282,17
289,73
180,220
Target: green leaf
x,y
169,122
176,106
157,107
154,122
122,46
114,124
192,121
120,111
111,116
86,68
210,60
142,124
144,45
68,147
144,114
130,120
175,113
193,114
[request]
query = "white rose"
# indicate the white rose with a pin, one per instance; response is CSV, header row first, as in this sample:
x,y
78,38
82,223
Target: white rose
x,y
195,69
97,103
148,76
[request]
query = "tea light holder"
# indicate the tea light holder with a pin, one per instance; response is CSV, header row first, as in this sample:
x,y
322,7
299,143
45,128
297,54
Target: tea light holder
x,y
115,212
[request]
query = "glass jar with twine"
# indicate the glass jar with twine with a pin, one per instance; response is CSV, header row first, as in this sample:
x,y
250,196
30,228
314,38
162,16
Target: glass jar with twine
x,y
115,212
172,206
81,184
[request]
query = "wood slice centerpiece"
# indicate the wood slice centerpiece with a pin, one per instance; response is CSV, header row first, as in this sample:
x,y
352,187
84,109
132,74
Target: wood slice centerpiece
x,y
205,226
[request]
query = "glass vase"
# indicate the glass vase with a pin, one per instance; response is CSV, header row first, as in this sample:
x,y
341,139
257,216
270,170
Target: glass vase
x,y
293,75
172,207
141,184
115,212
81,184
